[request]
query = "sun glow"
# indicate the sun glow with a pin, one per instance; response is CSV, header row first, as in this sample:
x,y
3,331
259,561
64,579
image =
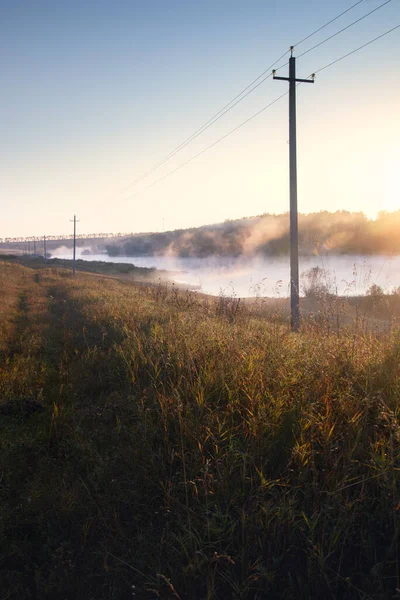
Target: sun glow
x,y
391,196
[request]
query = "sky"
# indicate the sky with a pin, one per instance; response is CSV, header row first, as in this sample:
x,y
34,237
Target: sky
x,y
95,93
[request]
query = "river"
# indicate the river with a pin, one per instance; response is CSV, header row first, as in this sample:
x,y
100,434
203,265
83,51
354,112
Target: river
x,y
344,274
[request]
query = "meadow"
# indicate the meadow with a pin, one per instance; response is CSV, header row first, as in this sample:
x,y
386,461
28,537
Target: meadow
x,y
162,444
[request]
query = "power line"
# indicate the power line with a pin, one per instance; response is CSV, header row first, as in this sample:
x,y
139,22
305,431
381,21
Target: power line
x,y
239,97
74,250
357,49
328,23
259,112
223,110
211,121
344,28
211,145
294,216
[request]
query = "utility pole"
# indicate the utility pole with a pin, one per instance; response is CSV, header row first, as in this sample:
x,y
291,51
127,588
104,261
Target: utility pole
x,y
294,227
34,246
74,221
44,247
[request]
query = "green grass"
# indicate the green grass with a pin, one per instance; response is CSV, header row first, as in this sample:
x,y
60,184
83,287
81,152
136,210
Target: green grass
x,y
190,449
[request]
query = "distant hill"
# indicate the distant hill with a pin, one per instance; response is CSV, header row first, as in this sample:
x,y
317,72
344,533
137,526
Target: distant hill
x,y
341,232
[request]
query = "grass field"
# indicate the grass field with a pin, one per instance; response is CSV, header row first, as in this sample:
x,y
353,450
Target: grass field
x,y
160,444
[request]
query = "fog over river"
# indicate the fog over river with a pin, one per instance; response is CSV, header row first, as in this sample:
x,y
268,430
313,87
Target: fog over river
x,y
346,274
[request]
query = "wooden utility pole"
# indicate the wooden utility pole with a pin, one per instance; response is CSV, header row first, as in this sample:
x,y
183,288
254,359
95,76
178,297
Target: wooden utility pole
x,y
44,247
294,228
74,254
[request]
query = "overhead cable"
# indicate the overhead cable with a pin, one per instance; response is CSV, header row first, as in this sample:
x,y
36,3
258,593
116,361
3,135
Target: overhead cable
x,y
261,111
266,74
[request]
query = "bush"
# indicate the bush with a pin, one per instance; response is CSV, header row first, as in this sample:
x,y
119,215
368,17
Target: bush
x,y
316,283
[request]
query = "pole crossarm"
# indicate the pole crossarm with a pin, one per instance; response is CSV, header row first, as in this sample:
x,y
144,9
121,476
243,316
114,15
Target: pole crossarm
x,y
296,80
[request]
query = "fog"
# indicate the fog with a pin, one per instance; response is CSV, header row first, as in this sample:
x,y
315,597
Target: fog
x,y
261,276
267,235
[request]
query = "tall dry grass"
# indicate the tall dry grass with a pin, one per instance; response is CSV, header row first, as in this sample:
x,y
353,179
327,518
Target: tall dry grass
x,y
193,449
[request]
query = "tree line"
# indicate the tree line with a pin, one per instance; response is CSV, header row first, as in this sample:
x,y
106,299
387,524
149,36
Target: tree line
x,y
340,232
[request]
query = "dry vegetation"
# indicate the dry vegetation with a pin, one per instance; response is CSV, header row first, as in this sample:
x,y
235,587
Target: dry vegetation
x,y
156,444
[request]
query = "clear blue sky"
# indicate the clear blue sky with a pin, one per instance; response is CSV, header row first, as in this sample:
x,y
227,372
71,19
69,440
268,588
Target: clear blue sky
x,y
94,93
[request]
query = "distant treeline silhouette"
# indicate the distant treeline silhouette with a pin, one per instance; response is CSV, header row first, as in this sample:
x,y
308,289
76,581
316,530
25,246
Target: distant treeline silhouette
x,y
341,232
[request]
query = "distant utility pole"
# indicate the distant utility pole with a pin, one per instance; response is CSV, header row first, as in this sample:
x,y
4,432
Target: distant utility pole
x,y
294,227
34,247
44,247
74,221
